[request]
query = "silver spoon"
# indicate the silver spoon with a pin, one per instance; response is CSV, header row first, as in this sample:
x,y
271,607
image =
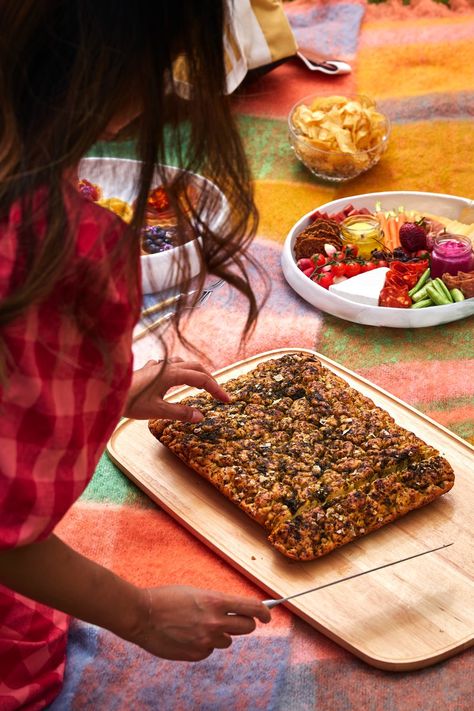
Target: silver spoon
x,y
333,66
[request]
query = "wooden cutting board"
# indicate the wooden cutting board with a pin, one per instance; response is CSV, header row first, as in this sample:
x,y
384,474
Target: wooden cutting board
x,y
405,617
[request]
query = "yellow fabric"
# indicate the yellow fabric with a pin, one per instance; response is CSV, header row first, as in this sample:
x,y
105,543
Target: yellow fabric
x,y
257,34
275,27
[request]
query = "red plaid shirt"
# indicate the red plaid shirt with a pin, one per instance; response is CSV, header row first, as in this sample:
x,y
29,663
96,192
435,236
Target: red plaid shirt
x,y
58,407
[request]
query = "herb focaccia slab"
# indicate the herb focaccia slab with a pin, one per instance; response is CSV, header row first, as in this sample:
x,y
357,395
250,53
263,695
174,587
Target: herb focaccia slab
x,y
311,459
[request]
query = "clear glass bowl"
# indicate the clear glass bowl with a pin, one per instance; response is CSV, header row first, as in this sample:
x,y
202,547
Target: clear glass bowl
x,y
334,165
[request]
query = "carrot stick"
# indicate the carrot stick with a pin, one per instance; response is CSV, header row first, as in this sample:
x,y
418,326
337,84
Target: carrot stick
x,y
402,218
399,220
392,228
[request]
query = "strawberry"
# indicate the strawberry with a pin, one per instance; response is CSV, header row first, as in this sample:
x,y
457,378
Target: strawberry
x,y
413,236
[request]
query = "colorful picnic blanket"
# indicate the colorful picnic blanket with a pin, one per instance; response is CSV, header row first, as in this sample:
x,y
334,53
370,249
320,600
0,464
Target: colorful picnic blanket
x,y
417,62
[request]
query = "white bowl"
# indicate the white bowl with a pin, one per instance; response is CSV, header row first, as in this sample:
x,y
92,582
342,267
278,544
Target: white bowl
x,y
435,203
118,178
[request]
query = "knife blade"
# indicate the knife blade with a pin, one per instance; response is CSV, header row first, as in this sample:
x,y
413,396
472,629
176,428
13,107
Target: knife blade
x,y
273,603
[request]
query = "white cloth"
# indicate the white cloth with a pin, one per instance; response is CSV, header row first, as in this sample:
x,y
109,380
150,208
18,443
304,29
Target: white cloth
x,y
257,34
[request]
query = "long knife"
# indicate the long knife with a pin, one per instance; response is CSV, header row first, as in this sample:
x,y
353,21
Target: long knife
x,y
273,603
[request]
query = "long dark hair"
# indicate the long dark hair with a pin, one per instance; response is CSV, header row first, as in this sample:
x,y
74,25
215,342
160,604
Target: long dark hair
x,y
67,68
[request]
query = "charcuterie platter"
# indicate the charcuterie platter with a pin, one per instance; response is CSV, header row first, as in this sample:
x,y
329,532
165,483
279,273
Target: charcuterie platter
x,y
397,259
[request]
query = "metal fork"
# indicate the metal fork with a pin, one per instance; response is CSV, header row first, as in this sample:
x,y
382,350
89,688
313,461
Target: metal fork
x,y
160,305
204,296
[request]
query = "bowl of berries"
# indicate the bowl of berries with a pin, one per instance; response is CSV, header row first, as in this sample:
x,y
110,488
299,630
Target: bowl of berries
x,y
111,183
397,259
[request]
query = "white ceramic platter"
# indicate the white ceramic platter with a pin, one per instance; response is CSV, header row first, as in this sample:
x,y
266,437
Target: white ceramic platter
x,y
118,177
434,203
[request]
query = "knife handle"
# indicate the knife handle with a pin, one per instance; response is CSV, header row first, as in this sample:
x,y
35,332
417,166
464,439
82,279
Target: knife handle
x,y
271,603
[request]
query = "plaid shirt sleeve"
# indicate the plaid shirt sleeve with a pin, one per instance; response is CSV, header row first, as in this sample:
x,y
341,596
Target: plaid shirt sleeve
x,y
59,404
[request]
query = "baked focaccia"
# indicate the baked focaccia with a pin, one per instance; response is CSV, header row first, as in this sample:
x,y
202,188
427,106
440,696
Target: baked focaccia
x,y
308,457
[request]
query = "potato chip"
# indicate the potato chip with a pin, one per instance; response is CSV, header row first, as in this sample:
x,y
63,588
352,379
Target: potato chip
x,y
352,126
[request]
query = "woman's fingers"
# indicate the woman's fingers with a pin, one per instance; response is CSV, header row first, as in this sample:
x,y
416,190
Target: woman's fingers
x,y
198,379
175,411
151,383
177,370
180,622
189,364
245,607
223,642
150,363
237,624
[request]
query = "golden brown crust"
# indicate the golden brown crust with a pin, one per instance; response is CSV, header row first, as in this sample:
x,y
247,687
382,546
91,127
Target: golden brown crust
x,y
308,457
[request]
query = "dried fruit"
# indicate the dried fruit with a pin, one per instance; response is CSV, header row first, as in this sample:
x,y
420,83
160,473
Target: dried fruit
x,y
89,190
158,199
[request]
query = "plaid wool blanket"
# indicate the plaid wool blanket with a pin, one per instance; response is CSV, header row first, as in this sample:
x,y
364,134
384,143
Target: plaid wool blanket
x,y
417,62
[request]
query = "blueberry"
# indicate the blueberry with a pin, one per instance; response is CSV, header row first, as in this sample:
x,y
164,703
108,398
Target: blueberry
x,y
157,239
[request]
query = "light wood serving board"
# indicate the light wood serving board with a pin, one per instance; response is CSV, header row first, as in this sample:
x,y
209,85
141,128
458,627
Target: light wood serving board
x,y
401,618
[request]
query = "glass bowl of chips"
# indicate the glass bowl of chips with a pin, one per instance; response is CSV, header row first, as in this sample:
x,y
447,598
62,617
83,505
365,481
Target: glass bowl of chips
x,y
338,137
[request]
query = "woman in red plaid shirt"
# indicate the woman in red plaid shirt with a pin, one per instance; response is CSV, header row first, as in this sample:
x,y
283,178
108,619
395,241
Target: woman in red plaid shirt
x,y
72,72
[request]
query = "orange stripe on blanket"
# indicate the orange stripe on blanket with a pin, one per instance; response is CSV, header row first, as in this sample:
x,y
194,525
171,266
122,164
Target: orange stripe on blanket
x,y
425,381
281,204
454,416
412,10
425,31
413,151
424,69
149,548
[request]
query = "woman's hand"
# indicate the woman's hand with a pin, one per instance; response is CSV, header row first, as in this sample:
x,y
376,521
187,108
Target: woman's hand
x,y
153,385
173,622
185,623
